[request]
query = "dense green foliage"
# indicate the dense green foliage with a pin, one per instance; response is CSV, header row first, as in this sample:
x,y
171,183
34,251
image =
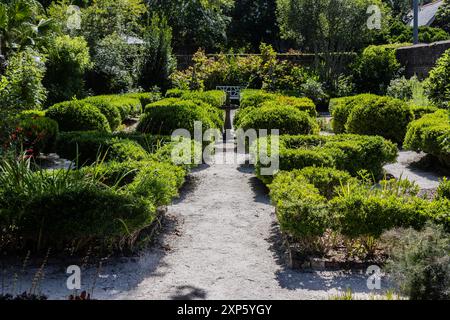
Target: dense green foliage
x,y
78,116
376,67
352,153
314,199
419,262
165,116
372,115
286,119
431,134
438,82
67,62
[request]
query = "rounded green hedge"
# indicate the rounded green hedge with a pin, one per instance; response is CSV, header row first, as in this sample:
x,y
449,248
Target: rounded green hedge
x,y
78,116
369,114
110,111
313,200
351,153
89,147
168,115
288,119
431,134
384,116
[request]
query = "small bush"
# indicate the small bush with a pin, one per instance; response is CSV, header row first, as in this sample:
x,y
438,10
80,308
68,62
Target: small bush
x,y
289,120
341,109
110,111
370,114
385,117
301,210
431,134
326,180
215,98
254,98
419,262
36,133
168,115
443,191
78,116
351,153
88,147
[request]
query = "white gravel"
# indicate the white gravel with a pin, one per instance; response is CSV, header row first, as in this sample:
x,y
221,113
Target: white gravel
x,y
220,241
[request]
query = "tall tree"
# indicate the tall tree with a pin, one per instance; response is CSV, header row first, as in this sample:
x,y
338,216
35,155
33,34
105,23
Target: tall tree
x,y
195,23
253,22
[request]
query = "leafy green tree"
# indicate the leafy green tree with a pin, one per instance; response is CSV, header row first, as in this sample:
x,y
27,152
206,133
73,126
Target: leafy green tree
x,y
195,23
324,27
67,61
105,17
158,61
114,71
22,24
253,22
443,16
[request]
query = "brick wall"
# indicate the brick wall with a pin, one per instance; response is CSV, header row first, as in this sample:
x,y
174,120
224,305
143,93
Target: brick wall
x,y
420,59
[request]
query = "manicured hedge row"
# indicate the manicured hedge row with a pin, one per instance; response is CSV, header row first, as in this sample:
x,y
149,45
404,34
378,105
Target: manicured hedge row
x,y
287,119
86,114
306,208
88,147
431,134
258,98
369,114
352,153
166,116
215,98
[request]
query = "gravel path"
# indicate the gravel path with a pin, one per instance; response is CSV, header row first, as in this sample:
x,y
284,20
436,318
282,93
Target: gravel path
x,y
426,180
220,241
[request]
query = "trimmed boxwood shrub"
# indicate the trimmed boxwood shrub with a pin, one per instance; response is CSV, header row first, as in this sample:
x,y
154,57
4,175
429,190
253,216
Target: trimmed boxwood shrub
x,y
352,153
289,120
144,97
370,114
215,98
420,111
431,134
36,132
254,98
384,116
301,210
174,93
166,116
110,111
354,209
259,98
88,147
78,116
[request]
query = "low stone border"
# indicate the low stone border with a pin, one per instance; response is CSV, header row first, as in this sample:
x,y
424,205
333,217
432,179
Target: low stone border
x,y
296,260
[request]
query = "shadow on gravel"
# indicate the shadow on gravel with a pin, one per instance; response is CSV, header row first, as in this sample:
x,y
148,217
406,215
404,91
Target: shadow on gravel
x,y
188,293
